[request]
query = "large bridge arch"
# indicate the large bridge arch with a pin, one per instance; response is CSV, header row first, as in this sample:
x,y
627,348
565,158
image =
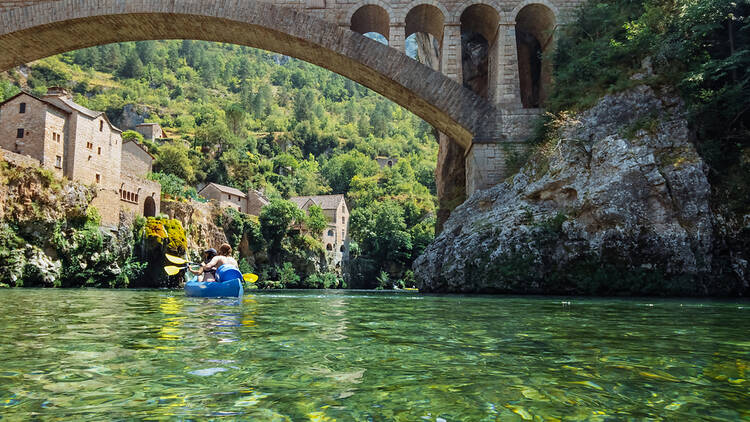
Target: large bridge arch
x,y
44,29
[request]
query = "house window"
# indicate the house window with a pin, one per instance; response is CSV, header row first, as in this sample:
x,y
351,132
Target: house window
x,y
239,209
89,145
19,133
99,150
22,108
101,125
58,161
98,178
229,196
343,220
330,232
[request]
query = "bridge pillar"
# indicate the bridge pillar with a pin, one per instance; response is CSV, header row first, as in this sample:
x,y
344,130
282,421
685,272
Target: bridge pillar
x,y
450,178
451,54
489,162
508,87
397,37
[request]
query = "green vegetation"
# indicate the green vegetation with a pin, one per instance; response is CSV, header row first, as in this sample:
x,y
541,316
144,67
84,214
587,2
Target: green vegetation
x,y
701,48
250,119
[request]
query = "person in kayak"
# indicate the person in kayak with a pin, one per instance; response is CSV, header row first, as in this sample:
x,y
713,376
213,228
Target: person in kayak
x,y
223,258
202,274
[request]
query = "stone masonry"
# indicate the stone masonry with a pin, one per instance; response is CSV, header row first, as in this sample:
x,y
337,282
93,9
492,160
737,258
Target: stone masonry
x,y
518,37
79,144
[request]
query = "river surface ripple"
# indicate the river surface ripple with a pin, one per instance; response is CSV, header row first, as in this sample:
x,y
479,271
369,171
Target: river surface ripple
x,y
348,355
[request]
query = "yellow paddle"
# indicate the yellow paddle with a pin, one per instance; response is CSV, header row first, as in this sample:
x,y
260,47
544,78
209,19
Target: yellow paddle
x,y
173,270
176,259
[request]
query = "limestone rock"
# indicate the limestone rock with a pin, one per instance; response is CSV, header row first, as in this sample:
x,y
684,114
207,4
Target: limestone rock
x,y
199,222
618,205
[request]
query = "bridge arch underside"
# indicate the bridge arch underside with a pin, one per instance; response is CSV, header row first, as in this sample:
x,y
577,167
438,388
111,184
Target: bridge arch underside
x,y
452,109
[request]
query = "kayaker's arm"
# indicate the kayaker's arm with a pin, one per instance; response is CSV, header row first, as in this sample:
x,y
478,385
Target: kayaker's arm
x,y
211,264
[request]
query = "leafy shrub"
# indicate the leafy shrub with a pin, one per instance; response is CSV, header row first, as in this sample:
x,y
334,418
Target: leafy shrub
x,y
323,281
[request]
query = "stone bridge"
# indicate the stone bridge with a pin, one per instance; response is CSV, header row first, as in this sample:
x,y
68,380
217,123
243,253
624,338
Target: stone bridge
x,y
480,77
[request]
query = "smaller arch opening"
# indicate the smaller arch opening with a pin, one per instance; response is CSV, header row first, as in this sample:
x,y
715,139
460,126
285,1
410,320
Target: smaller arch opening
x,y
424,25
329,247
479,24
371,19
342,248
535,26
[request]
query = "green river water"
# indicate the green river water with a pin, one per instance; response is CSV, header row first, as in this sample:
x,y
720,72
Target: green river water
x,y
359,356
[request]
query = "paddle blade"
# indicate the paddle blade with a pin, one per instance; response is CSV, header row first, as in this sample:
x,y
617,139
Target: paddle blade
x,y
175,259
250,277
172,270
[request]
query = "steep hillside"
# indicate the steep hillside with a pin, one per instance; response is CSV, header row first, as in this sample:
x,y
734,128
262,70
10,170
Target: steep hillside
x,y
250,119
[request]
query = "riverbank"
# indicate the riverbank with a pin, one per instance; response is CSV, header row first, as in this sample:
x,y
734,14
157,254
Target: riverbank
x,y
51,236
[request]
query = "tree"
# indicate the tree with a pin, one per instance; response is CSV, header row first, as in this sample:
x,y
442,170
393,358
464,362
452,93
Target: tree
x,y
304,103
316,221
275,220
173,185
380,230
173,158
235,117
340,169
129,135
133,67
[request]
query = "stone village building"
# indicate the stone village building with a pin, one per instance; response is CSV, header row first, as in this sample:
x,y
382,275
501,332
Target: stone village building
x,y
334,207
335,236
150,131
83,146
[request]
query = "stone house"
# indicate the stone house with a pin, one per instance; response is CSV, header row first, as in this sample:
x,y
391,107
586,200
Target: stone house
x,y
81,145
225,196
255,201
335,236
150,131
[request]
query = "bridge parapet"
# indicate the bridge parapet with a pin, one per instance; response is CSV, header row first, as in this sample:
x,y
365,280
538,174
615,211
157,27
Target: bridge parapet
x,y
496,48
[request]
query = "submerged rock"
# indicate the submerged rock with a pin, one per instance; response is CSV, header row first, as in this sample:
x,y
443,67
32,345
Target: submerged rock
x,y
618,203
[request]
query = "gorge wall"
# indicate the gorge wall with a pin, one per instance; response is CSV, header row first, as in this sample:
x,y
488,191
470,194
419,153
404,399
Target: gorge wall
x,y
616,202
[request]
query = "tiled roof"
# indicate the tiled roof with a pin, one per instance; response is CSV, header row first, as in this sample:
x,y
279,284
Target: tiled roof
x,y
225,189
327,202
65,110
69,105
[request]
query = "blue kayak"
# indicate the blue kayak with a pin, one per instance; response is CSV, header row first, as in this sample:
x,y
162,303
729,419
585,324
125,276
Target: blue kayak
x,y
228,284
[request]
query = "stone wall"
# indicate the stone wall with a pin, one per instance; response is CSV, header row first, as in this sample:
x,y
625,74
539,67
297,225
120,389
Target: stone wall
x,y
143,189
55,136
31,121
487,163
255,202
18,159
222,199
135,160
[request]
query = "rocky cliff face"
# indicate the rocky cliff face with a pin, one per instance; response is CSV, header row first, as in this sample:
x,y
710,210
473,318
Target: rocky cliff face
x,y
199,222
617,203
48,235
